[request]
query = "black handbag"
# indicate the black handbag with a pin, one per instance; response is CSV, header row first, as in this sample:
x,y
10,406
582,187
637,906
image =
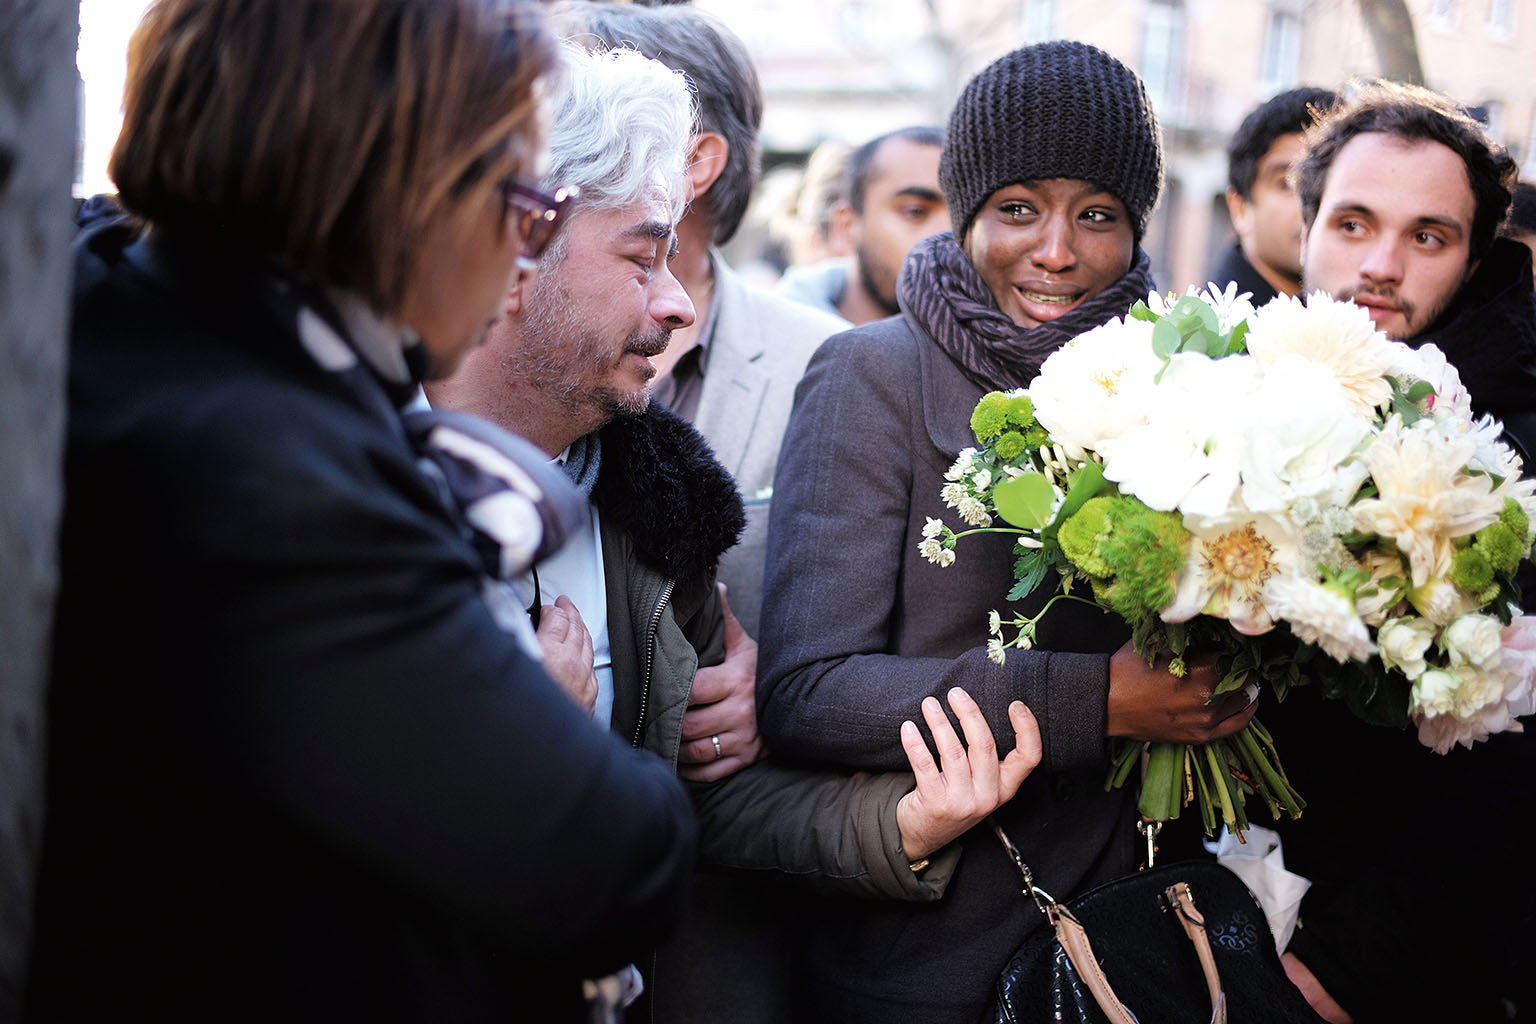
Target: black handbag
x,y
1182,942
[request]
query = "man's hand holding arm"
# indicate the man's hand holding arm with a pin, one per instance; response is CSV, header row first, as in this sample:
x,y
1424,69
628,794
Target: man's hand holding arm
x,y
722,709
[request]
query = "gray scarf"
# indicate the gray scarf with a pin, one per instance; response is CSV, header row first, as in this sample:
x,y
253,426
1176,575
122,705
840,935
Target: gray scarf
x,y
582,461
942,290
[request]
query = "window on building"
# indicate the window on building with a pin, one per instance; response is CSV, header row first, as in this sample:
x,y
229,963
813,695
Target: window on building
x,y
1442,14
1162,53
1282,50
1493,118
1037,20
1501,19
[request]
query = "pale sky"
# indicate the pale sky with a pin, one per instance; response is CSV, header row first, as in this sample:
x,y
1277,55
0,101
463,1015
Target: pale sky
x,y
102,58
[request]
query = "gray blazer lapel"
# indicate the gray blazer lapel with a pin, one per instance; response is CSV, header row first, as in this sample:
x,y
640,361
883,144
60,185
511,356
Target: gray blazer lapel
x,y
734,385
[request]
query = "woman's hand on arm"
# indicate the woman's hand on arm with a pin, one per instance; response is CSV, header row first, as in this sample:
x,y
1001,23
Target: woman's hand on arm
x,y
969,781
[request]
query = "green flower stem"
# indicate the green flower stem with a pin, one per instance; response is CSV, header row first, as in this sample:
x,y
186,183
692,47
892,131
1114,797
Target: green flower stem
x,y
1274,780
1219,784
1065,597
1266,744
1126,754
1250,761
1201,791
996,529
1161,789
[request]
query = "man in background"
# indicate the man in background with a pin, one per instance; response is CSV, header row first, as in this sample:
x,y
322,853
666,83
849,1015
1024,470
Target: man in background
x,y
732,374
1266,258
893,202
1521,224
1401,194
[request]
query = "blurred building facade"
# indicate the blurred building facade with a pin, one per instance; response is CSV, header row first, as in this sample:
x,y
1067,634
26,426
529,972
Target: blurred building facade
x,y
850,69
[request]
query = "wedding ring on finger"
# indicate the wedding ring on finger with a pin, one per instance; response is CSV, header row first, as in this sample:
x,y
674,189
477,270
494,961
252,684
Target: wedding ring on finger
x,y
718,752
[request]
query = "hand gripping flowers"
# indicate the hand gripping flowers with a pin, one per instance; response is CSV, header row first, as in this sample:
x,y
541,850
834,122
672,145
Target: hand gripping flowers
x,y
1285,486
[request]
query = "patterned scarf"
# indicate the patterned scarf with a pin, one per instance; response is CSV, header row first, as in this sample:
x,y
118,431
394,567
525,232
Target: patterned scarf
x,y
942,290
516,507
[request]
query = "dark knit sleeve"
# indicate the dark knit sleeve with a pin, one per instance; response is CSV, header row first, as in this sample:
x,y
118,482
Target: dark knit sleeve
x,y
831,685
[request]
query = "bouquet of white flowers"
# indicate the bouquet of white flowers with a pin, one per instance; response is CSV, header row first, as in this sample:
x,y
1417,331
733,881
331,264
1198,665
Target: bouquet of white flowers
x,y
1285,486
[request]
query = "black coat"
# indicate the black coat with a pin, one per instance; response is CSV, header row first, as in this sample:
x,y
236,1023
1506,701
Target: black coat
x,y
296,771
1421,902
1234,267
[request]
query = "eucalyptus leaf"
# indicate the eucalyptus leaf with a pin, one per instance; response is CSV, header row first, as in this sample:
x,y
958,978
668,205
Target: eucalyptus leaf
x,y
1025,500
1166,339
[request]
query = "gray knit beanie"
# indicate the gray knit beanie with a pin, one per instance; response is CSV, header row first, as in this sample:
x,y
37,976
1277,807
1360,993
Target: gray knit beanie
x,y
1054,110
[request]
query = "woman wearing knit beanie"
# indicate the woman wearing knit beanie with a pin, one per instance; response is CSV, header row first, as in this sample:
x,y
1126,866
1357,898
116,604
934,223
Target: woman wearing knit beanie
x,y
1051,166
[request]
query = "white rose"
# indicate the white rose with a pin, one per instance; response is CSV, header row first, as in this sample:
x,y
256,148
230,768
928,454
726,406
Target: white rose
x,y
1472,639
1475,690
1434,693
1403,643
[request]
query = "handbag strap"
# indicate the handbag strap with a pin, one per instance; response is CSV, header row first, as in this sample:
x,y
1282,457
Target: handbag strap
x,y
1183,903
1074,941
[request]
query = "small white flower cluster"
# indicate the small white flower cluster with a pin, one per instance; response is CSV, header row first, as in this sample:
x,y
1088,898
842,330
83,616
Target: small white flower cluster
x,y
966,484
964,462
997,646
932,546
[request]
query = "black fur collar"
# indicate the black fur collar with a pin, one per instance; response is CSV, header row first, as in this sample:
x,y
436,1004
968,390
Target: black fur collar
x,y
659,481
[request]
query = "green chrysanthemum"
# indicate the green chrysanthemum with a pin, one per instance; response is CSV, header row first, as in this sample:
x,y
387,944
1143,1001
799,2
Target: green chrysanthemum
x,y
1082,536
990,417
1514,517
1499,544
1471,571
1010,446
1131,553
1036,437
1147,550
1021,411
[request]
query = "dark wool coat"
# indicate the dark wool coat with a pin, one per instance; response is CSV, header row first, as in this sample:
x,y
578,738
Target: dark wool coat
x,y
296,771
858,628
1234,267
1424,865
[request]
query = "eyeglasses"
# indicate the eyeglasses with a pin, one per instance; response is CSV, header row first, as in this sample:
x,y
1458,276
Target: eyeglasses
x,y
539,215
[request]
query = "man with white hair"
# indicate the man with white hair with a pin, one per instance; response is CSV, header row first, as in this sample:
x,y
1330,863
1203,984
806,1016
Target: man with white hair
x,y
637,623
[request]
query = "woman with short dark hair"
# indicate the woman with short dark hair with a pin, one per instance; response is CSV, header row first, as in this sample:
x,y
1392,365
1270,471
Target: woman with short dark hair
x,y
301,764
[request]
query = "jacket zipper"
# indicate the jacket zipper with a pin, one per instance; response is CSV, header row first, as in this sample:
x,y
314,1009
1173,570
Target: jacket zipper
x,y
645,693
650,655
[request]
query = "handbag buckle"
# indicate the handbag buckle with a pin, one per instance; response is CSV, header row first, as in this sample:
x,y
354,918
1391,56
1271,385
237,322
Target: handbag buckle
x,y
1044,900
1149,830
